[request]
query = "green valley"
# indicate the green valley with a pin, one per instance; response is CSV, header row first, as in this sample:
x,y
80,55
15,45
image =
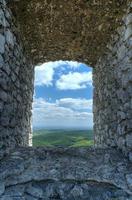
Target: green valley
x,y
64,138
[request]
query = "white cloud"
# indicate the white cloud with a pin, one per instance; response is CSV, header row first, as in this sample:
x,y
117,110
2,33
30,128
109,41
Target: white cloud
x,y
47,114
66,112
76,104
74,81
71,64
44,73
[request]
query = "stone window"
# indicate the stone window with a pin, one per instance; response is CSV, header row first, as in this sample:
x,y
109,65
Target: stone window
x,y
63,101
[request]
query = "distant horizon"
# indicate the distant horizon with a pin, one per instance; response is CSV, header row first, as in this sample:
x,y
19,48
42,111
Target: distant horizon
x,y
62,128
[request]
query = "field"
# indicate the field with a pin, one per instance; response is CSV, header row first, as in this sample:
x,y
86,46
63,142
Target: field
x,y
64,138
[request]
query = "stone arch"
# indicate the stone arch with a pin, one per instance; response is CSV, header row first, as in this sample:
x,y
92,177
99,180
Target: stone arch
x,y
95,32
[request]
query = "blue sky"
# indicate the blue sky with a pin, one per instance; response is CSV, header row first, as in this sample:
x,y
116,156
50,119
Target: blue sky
x,y
63,95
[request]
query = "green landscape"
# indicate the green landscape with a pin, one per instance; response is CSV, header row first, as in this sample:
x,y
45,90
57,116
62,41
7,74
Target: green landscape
x,y
63,138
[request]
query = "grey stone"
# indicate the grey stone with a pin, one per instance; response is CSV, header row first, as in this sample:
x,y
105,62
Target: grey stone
x,y
13,77
1,61
7,69
77,192
8,197
2,187
121,142
28,197
2,44
3,20
3,2
1,106
128,32
36,192
112,97
129,180
130,156
9,38
47,169
95,173
128,19
15,191
121,52
4,121
8,14
13,122
122,115
129,140
3,96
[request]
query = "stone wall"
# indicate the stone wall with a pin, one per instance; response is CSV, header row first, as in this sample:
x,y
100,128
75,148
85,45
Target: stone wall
x,y
112,81
16,85
65,174
113,91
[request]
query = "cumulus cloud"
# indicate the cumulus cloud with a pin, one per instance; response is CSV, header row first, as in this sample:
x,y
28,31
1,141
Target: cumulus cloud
x,y
71,64
44,73
56,115
74,81
76,104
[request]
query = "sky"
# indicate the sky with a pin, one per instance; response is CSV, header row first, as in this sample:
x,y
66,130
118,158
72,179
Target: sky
x,y
63,95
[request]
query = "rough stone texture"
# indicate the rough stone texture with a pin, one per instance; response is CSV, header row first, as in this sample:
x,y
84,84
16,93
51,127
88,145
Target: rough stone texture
x,y
66,174
68,30
112,73
16,86
113,91
76,30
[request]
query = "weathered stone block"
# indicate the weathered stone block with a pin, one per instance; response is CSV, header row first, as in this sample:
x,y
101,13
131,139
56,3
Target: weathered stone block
x,y
3,96
77,192
129,180
9,38
128,19
2,44
3,21
7,197
129,140
121,142
1,106
2,187
35,192
28,197
121,115
1,61
128,32
130,156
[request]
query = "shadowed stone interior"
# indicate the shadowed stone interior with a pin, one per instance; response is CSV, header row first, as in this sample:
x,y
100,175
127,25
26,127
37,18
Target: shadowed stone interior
x,y
68,30
97,33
